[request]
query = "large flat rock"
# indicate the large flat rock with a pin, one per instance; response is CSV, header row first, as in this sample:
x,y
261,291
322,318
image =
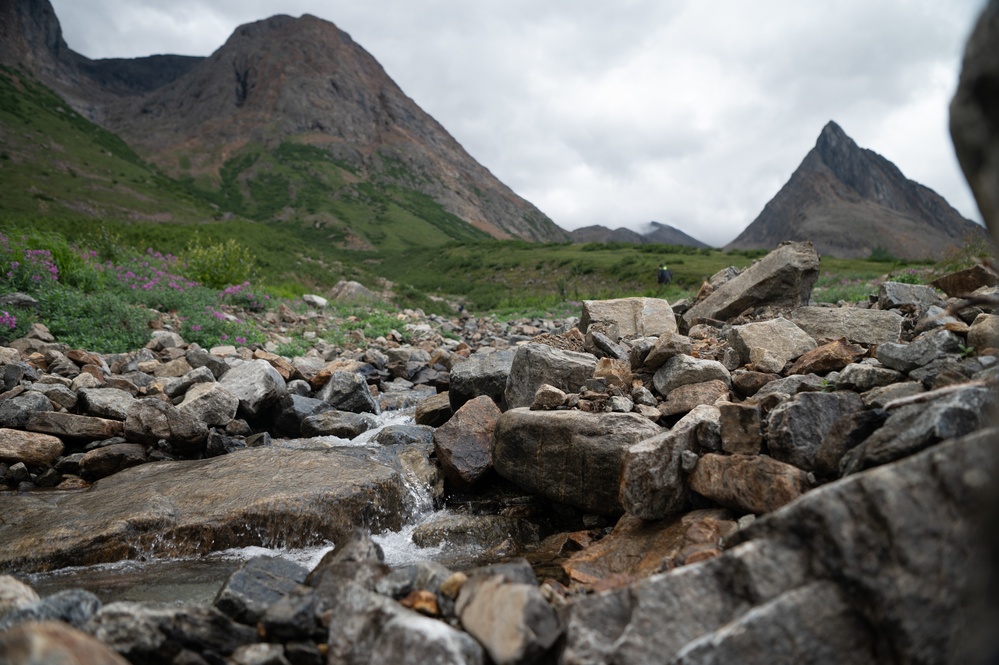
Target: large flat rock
x,y
264,496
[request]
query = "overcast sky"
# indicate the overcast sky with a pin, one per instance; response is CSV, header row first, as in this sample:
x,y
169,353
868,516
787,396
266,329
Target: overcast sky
x,y
687,112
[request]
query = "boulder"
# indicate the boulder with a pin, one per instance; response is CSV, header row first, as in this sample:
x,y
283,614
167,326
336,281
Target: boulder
x,y
291,410
779,337
150,420
747,483
464,444
683,399
258,584
342,424
570,457
740,428
434,411
481,374
537,364
682,370
963,283
108,460
16,411
106,402
210,403
666,346
73,606
348,391
256,384
476,532
861,377
405,435
921,351
35,450
630,317
861,326
47,642
653,484
914,297
796,428
827,358
192,507
783,279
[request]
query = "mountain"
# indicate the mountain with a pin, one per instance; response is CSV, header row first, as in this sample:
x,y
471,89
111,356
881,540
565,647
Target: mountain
x,y
850,201
290,120
658,233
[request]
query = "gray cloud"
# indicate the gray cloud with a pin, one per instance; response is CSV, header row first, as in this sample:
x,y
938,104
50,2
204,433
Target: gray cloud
x,y
688,112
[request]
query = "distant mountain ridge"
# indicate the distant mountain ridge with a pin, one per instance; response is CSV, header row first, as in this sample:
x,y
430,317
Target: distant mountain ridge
x,y
849,201
659,233
219,122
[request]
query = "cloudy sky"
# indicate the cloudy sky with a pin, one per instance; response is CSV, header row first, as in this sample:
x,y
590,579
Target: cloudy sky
x,y
687,112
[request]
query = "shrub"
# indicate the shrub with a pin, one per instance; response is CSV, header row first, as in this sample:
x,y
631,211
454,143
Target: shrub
x,y
218,265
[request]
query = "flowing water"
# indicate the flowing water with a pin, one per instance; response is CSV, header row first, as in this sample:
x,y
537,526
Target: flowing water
x,y
198,579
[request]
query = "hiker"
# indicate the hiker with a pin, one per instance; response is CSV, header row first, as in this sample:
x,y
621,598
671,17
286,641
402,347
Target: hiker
x,y
665,276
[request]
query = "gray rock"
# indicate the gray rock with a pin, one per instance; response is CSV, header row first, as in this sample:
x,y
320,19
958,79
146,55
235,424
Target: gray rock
x,y
257,585
796,428
256,384
106,402
791,385
570,457
293,616
348,391
201,358
480,374
779,337
220,443
513,622
74,606
537,364
862,377
667,345
921,351
682,370
292,409
210,403
146,634
892,295
15,412
150,420
630,317
58,394
878,398
192,377
861,326
653,485
783,279
846,434
409,435
342,424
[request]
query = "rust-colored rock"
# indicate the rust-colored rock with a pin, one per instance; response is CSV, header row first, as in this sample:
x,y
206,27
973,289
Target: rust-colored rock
x,y
830,357
464,444
747,483
683,399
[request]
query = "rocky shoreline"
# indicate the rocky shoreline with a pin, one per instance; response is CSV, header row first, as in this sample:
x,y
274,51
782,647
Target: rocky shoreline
x,y
757,469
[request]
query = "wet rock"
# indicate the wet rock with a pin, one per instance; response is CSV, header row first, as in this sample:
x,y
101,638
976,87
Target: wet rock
x,y
434,411
108,460
747,483
292,409
405,435
861,326
70,426
921,351
347,391
210,403
892,295
682,370
795,429
341,424
779,337
35,450
685,398
464,444
481,374
73,606
106,402
783,279
653,485
257,585
741,431
513,622
637,548
570,457
150,420
159,634
48,642
255,384
475,531
183,508
537,364
630,317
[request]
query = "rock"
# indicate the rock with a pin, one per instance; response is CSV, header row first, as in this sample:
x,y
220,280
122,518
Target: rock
x,y
220,443
70,426
35,450
258,654
780,337
146,634
962,283
315,301
747,383
192,507
537,364
14,594
795,429
59,395
73,606
921,351
878,398
827,358
684,398
292,409
630,317
347,391
15,412
349,290
255,384
405,435
106,402
481,374
783,279
615,372
150,420
342,424
861,326
464,444
667,345
741,431
210,403
682,370
548,398
846,434
513,622
570,457
637,548
200,358
747,483
861,377
984,332
257,585
475,532
892,295
653,485
191,378
48,642
434,411
108,460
